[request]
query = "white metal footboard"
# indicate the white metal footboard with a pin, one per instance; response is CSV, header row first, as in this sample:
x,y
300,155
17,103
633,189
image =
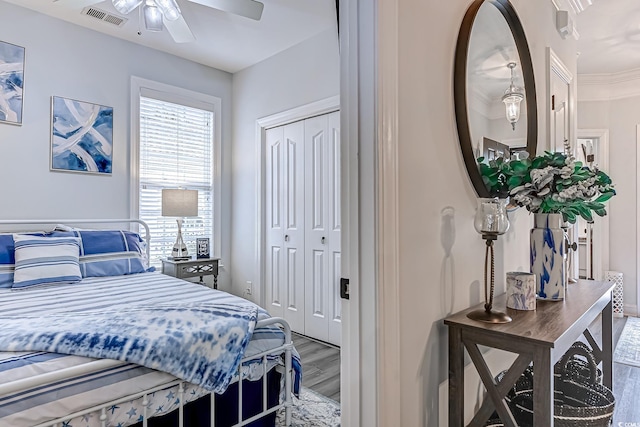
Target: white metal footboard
x,y
75,371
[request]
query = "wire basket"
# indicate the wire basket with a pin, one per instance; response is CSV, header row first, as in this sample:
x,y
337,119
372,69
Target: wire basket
x,y
579,400
576,366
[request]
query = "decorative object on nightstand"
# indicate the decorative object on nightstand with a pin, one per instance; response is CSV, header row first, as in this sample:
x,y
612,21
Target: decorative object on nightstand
x,y
490,221
184,269
202,245
179,203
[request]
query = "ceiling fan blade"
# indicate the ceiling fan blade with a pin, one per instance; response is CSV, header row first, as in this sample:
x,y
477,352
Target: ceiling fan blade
x,y
179,30
248,8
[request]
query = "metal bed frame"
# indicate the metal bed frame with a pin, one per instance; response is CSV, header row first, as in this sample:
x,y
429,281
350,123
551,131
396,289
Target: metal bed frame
x,y
51,377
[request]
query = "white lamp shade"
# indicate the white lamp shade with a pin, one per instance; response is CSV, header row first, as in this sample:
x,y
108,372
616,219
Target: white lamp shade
x,y
179,203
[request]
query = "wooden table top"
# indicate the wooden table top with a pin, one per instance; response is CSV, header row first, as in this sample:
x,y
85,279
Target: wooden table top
x,y
549,321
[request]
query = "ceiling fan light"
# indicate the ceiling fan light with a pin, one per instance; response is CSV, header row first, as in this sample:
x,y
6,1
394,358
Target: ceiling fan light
x,y
169,8
152,18
126,6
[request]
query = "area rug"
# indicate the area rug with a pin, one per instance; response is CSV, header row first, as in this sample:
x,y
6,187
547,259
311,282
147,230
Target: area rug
x,y
312,410
628,348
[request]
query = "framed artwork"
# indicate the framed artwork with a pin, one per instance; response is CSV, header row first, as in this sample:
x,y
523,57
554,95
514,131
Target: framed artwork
x,y
202,247
81,136
11,83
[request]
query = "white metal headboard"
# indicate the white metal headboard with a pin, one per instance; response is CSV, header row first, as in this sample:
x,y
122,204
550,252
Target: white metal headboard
x,y
146,237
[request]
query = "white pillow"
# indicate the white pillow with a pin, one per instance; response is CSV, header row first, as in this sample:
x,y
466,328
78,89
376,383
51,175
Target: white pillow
x,y
41,260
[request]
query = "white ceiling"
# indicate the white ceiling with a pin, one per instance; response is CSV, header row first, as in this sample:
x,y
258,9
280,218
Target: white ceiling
x,y
223,40
609,37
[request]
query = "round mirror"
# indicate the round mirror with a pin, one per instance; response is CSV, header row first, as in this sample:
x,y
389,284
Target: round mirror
x,y
494,88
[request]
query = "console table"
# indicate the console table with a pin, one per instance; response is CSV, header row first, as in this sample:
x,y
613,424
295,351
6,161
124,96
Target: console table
x,y
540,336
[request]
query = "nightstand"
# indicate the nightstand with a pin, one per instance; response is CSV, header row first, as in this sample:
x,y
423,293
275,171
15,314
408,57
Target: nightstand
x,y
192,268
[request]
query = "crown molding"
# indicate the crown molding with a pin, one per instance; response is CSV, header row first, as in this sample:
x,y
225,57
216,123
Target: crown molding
x,y
607,87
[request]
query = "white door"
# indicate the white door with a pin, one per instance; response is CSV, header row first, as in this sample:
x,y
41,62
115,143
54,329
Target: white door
x,y
335,230
322,231
284,199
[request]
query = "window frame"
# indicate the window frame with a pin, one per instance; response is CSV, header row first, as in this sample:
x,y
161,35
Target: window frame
x,y
148,88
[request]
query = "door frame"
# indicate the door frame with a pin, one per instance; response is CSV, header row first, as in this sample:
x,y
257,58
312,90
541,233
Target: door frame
x,y
637,284
600,259
324,106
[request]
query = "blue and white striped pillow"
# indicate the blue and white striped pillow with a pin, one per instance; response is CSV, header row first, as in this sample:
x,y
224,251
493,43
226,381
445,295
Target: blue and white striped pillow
x,y
109,252
41,260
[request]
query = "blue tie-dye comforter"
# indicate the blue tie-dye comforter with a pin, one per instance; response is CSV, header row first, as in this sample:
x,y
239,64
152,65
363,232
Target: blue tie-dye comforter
x,y
202,343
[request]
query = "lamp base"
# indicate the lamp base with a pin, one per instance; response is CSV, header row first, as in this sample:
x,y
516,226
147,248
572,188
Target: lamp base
x,y
489,316
179,251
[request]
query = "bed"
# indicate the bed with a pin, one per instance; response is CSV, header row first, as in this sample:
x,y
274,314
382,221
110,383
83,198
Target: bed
x,y
40,385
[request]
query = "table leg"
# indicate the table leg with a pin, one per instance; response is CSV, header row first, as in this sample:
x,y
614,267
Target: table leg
x,y
542,387
456,378
607,345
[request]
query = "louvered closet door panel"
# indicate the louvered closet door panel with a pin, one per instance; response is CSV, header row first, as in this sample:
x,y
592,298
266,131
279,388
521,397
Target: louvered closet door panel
x,y
333,205
274,227
317,251
294,236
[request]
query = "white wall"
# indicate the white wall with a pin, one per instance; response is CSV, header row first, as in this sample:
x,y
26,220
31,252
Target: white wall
x,y
66,60
432,176
300,75
620,116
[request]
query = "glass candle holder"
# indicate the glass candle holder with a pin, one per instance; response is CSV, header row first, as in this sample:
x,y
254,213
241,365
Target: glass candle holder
x,y
491,217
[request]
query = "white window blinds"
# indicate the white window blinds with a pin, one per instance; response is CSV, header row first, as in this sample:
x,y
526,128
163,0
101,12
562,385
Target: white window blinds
x,y
176,151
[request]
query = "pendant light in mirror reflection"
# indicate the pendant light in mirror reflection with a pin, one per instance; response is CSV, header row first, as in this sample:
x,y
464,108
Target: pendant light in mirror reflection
x,y
512,98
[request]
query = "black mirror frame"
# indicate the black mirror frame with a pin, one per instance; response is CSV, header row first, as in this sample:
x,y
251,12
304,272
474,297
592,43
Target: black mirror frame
x,y
460,86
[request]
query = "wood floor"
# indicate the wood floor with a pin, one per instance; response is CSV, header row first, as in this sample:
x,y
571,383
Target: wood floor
x,y
626,381
321,373
626,387
320,366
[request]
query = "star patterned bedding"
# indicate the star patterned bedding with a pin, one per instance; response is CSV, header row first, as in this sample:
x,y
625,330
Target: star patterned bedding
x,y
107,301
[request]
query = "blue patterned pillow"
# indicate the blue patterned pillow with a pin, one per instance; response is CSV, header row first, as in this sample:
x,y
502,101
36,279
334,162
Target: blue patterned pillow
x,y
7,260
40,260
109,252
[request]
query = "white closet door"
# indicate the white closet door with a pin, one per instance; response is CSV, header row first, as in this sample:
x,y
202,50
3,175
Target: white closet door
x,y
274,228
284,199
335,229
294,236
320,258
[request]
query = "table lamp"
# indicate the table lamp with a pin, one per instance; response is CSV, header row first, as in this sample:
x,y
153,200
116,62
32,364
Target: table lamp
x,y
179,203
490,221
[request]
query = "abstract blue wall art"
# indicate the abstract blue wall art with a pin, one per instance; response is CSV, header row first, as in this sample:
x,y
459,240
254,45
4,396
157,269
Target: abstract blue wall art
x,y
81,136
11,83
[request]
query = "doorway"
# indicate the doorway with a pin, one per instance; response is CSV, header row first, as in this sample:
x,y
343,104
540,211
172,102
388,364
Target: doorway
x,y
592,256
302,218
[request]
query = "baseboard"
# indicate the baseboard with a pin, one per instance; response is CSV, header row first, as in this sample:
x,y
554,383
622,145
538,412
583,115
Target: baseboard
x,y
631,310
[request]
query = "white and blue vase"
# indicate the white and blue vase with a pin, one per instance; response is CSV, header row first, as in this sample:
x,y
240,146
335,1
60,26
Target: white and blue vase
x,y
547,244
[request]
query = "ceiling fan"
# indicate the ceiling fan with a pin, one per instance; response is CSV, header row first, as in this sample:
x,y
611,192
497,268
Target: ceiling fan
x,y
166,13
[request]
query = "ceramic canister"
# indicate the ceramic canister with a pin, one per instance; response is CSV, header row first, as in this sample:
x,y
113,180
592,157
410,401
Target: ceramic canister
x,y
521,290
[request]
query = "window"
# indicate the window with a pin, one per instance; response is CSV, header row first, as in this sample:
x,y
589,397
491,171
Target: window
x,y
176,149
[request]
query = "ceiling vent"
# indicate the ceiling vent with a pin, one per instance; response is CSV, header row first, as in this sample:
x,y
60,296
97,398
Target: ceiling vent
x,y
102,15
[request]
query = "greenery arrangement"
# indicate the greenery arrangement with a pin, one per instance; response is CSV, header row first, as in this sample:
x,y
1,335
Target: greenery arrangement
x,y
551,183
